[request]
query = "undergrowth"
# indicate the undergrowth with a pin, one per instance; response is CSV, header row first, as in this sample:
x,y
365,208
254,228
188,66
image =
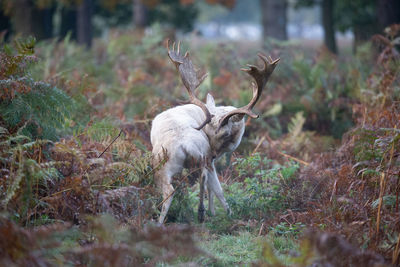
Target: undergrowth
x,y
261,188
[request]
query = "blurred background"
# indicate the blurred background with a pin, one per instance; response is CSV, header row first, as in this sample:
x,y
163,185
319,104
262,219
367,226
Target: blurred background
x,y
332,22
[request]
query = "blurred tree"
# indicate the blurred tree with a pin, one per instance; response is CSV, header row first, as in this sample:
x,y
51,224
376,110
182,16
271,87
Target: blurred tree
x,y
35,17
5,23
363,17
172,12
30,17
112,13
227,3
84,23
388,12
140,18
68,21
328,20
247,11
359,16
181,14
274,18
329,25
21,14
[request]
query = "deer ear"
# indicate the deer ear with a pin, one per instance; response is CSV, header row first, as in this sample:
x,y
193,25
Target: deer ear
x,y
210,103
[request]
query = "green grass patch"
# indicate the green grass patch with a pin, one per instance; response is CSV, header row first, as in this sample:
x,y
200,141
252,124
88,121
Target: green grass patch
x,y
231,250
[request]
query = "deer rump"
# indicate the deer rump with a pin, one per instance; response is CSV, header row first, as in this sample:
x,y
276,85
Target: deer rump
x,y
199,133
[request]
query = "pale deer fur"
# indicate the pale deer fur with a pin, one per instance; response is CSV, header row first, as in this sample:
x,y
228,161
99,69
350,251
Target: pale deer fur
x,y
178,139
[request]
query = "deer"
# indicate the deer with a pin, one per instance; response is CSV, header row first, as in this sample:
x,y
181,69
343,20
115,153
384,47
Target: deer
x,y
200,132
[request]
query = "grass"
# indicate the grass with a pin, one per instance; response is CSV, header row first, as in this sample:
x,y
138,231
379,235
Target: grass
x,y
230,249
245,247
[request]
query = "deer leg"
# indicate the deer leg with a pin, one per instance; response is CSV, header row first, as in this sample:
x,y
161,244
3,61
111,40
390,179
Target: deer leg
x,y
215,186
168,192
211,207
201,209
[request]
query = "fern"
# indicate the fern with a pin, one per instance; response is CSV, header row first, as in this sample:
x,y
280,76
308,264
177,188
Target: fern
x,y
15,182
138,170
43,109
27,178
101,130
296,124
37,106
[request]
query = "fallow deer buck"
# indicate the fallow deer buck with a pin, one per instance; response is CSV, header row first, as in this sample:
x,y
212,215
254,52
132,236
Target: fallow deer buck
x,y
200,132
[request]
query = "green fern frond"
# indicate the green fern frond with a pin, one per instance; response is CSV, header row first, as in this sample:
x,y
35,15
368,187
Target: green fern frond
x,y
26,46
40,107
14,140
296,124
3,131
15,181
101,130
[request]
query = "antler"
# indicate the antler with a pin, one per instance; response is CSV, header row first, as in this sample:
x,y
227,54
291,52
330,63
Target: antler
x,y
261,77
189,77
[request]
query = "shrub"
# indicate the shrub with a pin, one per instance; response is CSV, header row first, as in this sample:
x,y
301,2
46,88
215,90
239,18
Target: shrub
x,y
264,189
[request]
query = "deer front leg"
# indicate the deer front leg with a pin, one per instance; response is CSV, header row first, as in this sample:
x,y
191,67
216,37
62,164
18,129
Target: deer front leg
x,y
215,186
201,210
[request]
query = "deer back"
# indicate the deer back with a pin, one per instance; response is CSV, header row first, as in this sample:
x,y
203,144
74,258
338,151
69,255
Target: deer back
x,y
174,131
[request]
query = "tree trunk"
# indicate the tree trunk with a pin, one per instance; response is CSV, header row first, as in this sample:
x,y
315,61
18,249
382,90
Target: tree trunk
x,y
84,23
328,24
42,22
29,20
5,26
68,22
139,14
274,19
22,17
48,21
388,13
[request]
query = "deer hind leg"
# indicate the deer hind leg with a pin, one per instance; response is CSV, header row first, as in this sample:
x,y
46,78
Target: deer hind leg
x,y
168,190
211,207
201,210
215,186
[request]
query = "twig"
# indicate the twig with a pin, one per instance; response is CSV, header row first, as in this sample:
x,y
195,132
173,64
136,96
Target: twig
x,y
293,158
259,144
396,252
56,193
261,228
381,193
143,121
390,129
115,139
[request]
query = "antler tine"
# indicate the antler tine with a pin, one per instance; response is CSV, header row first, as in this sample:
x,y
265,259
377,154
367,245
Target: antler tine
x,y
189,78
261,77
